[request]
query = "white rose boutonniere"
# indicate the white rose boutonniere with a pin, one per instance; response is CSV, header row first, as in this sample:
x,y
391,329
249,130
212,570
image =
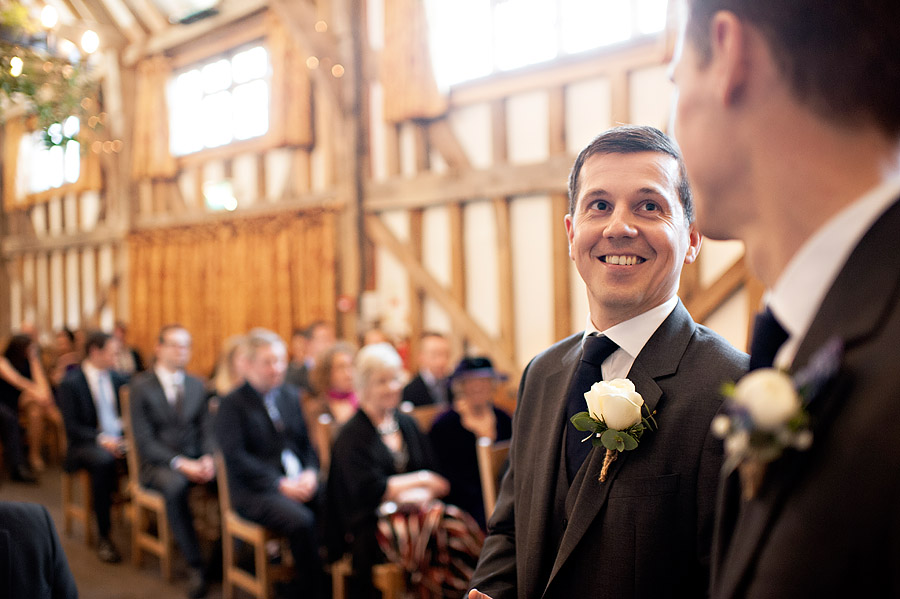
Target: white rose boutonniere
x,y
763,415
613,418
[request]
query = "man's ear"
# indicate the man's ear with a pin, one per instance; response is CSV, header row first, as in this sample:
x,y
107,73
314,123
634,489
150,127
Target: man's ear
x,y
729,55
570,232
695,239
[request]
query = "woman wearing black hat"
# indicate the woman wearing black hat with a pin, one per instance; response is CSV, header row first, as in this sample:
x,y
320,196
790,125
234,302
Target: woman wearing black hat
x,y
454,434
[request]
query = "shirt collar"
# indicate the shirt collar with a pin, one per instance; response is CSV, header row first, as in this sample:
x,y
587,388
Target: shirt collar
x,y
632,335
801,288
167,377
91,372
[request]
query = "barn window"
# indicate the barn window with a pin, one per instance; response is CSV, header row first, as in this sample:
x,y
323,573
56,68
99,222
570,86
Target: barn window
x,y
501,35
219,101
51,159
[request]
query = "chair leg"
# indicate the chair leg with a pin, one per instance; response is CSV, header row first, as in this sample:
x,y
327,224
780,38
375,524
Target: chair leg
x,y
262,571
137,529
165,560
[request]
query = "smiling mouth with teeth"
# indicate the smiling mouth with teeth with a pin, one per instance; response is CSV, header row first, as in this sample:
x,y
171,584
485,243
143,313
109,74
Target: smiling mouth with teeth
x,y
622,260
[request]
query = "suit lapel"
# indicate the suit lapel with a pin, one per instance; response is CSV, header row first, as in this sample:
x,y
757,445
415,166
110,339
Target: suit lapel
x,y
552,410
852,310
659,357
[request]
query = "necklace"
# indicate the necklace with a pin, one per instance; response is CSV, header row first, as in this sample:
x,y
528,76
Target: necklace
x,y
388,427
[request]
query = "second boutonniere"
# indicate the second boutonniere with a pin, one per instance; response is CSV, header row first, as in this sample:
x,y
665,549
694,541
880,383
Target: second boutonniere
x,y
614,418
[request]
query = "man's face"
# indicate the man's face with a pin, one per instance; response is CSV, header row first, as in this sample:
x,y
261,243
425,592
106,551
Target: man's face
x,y
710,143
265,370
435,356
322,338
175,350
628,236
104,358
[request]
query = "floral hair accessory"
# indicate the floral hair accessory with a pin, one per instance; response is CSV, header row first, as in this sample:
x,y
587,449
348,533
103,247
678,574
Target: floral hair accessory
x,y
614,419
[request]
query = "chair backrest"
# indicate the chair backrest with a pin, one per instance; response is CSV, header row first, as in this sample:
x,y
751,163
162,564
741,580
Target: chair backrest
x,y
131,451
423,415
491,458
324,431
222,482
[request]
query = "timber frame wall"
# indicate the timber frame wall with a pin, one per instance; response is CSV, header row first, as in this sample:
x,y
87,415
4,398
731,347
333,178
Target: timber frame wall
x,y
65,253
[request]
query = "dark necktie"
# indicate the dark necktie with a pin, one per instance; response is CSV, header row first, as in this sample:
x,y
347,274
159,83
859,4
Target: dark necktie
x,y
595,350
768,337
179,399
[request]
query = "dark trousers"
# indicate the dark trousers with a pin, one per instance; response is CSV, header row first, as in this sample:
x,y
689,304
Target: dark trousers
x,y
297,522
101,465
175,488
11,437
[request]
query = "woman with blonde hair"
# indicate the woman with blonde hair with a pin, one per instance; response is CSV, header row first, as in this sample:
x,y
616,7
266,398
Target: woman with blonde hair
x,y
384,497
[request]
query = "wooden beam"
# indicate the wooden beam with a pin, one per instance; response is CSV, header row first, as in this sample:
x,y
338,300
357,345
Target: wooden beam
x,y
462,322
562,289
416,295
14,246
124,20
172,37
621,98
505,278
588,65
444,140
457,264
440,188
707,301
147,12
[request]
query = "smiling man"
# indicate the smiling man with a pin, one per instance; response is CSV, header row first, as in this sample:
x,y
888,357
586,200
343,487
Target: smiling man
x,y
645,531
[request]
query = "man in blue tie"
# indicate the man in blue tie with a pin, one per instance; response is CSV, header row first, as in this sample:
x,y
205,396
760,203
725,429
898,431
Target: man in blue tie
x,y
567,522
88,399
272,467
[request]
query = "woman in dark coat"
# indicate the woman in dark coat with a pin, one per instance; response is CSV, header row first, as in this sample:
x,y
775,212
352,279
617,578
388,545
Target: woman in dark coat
x,y
380,475
454,434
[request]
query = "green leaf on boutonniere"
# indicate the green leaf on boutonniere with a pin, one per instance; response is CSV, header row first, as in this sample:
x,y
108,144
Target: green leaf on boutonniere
x,y
583,421
617,440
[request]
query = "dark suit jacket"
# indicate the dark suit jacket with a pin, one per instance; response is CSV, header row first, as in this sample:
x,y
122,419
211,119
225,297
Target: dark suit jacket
x,y
251,444
417,392
646,531
159,433
77,406
32,562
826,521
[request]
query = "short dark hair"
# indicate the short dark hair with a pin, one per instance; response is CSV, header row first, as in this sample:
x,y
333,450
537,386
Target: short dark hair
x,y
631,139
96,339
839,57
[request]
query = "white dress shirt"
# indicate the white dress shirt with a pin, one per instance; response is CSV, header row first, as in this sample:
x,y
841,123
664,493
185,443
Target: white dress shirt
x,y
631,336
170,382
797,296
100,384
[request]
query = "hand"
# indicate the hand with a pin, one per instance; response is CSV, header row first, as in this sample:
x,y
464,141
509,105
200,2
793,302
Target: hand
x,y
437,484
194,470
209,467
112,444
300,489
476,594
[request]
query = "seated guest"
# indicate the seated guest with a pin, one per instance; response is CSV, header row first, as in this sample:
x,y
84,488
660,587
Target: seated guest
x,y
63,358
297,374
229,372
24,388
34,562
380,458
429,386
319,337
333,374
272,467
169,414
89,400
128,360
454,433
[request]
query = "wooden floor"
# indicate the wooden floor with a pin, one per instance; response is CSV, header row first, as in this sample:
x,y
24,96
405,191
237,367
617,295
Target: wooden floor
x,y
95,579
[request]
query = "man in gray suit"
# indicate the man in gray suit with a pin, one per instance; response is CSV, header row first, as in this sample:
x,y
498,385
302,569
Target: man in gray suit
x,y
645,531
170,416
789,117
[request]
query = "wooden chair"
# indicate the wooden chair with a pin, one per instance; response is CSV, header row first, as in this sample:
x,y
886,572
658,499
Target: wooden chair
x,y
491,458
145,502
259,582
387,578
82,512
423,415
